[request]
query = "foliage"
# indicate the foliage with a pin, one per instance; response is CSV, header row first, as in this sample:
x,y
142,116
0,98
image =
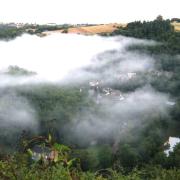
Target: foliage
x,y
43,28
159,30
17,71
8,32
17,167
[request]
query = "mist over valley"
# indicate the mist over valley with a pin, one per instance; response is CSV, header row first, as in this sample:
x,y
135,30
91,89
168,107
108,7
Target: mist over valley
x,y
112,98
101,70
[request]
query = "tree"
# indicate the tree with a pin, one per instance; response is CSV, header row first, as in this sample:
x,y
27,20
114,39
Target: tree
x,y
159,18
127,156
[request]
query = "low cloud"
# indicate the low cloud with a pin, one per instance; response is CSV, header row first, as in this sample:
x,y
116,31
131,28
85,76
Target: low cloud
x,y
72,59
16,111
113,117
16,115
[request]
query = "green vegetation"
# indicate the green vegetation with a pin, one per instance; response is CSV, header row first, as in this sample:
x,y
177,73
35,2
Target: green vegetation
x,y
56,107
43,28
159,30
8,32
139,155
12,169
62,166
17,71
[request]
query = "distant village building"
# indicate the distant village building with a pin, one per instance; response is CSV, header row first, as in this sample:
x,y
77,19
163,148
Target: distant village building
x,y
125,76
172,142
101,93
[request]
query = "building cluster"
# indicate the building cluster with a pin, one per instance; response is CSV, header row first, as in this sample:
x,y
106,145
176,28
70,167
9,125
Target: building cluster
x,y
101,93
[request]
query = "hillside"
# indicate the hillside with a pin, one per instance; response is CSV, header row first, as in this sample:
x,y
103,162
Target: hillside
x,y
104,28
95,29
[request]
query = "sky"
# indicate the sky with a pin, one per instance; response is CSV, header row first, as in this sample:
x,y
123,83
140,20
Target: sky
x,y
86,11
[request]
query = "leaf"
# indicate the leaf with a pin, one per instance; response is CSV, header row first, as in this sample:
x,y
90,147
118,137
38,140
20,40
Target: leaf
x,y
50,138
29,151
70,162
61,148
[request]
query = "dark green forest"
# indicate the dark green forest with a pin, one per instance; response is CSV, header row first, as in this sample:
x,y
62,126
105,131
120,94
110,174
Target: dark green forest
x,y
139,155
10,32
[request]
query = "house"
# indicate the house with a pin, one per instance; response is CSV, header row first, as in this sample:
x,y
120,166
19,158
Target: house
x,y
172,142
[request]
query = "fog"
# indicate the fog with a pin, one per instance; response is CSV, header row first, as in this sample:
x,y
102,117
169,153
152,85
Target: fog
x,y
114,118
16,115
16,111
97,62
54,56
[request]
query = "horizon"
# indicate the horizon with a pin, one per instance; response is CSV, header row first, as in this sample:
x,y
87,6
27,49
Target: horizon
x,y
54,23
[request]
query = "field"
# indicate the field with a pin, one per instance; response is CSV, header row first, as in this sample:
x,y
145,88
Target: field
x,y
98,29
90,30
104,28
176,26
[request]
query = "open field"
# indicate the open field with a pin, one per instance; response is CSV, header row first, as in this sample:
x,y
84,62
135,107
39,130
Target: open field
x,y
104,28
98,29
95,29
176,26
